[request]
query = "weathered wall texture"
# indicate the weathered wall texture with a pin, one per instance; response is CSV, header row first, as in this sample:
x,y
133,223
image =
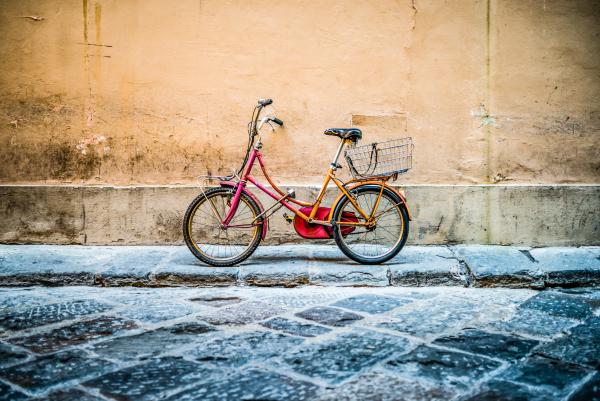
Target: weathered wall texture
x,y
126,92
474,214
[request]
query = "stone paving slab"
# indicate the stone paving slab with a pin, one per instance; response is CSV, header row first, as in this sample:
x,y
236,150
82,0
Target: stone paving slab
x,y
559,381
492,345
52,313
156,312
447,313
443,367
286,268
250,384
499,390
305,343
241,348
70,395
421,266
590,391
580,346
534,322
372,304
10,355
52,265
73,334
386,386
565,265
521,267
560,304
7,393
336,360
21,300
348,274
295,328
234,315
500,266
151,343
216,301
183,268
47,371
133,266
150,380
296,265
330,316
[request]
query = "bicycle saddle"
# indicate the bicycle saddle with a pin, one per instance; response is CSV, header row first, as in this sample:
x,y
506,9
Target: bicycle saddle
x,y
345,133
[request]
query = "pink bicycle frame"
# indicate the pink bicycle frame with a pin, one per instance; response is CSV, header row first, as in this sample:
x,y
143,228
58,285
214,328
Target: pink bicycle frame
x,y
241,187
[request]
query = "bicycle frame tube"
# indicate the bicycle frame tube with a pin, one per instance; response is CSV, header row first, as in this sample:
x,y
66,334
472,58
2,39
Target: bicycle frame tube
x,y
240,188
254,155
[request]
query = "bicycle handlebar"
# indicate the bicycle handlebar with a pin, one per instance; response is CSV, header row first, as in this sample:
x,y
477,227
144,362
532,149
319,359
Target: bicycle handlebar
x,y
253,128
261,104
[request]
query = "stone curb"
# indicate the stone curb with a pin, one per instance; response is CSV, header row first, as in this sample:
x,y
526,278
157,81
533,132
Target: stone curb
x,y
296,265
537,268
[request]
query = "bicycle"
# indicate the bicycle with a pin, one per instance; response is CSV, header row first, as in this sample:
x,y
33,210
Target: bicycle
x,y
369,220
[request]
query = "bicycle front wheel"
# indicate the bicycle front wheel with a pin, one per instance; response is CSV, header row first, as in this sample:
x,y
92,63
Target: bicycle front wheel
x,y
380,239
209,241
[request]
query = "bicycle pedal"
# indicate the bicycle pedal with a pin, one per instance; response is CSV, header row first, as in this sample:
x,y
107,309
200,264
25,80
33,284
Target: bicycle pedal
x,y
288,218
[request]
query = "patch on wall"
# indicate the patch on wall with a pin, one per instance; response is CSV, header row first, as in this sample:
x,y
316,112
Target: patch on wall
x,y
381,123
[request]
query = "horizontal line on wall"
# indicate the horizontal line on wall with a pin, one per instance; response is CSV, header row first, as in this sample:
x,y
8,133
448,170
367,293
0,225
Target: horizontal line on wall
x,y
290,185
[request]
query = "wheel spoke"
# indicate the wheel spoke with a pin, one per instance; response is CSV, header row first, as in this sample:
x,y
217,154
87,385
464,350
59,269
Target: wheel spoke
x,y
223,244
372,242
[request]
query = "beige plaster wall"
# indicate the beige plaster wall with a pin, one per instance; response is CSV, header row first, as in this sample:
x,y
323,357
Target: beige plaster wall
x,y
158,92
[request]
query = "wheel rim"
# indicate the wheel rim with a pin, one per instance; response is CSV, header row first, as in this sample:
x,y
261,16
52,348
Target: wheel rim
x,y
380,239
214,242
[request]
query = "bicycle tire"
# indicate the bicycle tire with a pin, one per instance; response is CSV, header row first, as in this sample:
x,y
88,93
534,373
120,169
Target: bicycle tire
x,y
339,237
187,228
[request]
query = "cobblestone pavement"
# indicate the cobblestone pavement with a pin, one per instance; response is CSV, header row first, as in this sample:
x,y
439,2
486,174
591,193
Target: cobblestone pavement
x,y
294,265
305,343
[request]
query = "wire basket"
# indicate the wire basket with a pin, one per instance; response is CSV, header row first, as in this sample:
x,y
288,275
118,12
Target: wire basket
x,y
381,159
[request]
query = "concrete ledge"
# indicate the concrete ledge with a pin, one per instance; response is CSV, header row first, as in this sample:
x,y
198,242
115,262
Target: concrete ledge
x,y
530,215
522,267
182,269
275,267
500,266
295,265
563,266
427,266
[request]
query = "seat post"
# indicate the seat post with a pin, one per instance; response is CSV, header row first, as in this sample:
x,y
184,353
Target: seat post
x,y
334,164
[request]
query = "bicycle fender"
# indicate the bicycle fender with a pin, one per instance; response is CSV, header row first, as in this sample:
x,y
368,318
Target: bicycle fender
x,y
375,184
230,184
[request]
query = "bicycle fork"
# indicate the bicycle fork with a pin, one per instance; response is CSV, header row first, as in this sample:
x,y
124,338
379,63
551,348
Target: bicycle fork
x,y
235,202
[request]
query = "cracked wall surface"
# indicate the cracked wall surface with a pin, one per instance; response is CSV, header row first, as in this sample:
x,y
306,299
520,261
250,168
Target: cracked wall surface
x,y
123,92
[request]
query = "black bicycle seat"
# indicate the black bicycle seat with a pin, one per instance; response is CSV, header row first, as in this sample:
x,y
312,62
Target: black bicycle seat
x,y
345,133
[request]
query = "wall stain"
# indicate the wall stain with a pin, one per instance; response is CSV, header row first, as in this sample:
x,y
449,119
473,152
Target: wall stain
x,y
488,126
98,21
168,226
52,219
85,21
40,141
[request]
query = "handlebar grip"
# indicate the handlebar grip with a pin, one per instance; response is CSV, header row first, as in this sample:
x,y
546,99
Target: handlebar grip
x,y
265,102
277,121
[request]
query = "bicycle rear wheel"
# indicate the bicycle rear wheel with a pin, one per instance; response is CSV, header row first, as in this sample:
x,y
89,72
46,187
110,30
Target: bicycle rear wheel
x,y
378,242
209,241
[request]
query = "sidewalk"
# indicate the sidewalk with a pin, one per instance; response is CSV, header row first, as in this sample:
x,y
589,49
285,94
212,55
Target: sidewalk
x,y
299,344
294,265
